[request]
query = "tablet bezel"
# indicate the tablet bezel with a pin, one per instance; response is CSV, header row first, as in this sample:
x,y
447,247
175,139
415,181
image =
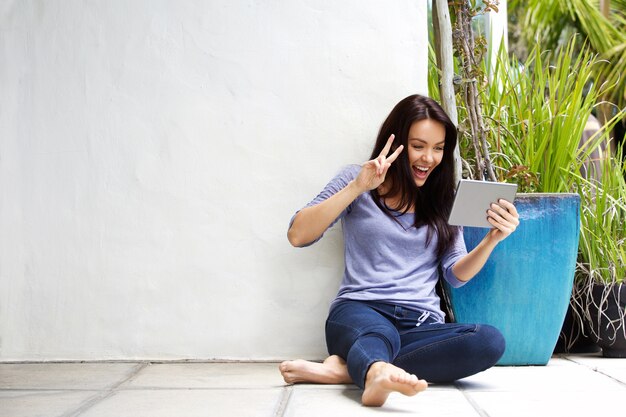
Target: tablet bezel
x,y
473,198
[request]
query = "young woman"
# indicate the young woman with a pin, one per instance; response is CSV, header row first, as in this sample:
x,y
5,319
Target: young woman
x,y
385,325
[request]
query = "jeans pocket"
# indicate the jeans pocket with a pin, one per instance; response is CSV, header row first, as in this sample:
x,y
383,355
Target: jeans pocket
x,y
439,327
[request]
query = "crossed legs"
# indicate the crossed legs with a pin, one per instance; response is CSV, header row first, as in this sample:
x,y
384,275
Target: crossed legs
x,y
368,342
382,357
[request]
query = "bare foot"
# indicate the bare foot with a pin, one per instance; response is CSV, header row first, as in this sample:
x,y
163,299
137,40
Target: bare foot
x,y
384,378
332,371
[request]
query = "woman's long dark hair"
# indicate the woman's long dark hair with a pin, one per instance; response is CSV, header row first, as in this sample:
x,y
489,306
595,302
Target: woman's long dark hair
x,y
432,202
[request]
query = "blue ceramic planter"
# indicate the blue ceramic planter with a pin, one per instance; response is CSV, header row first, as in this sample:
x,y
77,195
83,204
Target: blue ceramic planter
x,y
525,287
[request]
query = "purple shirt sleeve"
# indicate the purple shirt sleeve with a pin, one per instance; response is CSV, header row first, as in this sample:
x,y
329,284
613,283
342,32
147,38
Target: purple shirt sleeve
x,y
338,183
451,257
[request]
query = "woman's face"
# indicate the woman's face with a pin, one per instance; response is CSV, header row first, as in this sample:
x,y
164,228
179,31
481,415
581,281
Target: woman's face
x,y
425,148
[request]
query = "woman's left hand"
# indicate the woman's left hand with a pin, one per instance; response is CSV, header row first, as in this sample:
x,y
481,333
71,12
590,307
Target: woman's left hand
x,y
504,218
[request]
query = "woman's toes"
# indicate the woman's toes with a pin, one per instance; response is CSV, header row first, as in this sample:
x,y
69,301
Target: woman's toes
x,y
400,378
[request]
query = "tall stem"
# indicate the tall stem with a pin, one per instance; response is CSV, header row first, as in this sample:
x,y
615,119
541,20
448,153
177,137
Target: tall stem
x,y
472,76
445,61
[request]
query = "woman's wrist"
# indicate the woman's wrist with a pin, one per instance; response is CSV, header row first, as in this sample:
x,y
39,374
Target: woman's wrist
x,y
491,240
354,188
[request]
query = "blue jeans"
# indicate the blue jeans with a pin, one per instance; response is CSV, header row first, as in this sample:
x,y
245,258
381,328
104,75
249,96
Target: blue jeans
x,y
364,332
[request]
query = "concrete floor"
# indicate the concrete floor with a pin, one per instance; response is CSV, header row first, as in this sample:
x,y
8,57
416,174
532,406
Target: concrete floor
x,y
568,386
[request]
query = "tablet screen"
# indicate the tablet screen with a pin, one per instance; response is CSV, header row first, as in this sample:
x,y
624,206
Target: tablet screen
x,y
473,198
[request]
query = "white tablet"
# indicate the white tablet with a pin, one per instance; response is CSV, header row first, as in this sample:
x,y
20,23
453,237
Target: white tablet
x,y
473,198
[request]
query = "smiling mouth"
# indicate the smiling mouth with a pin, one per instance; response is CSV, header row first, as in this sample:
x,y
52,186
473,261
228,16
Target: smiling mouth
x,y
420,172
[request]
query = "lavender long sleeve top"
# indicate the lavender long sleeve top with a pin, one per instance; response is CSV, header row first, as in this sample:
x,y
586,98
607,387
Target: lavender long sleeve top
x,y
386,261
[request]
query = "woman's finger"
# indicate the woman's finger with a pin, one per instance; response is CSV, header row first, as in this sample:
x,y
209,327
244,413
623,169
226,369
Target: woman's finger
x,y
495,216
506,231
387,147
509,213
376,165
394,155
381,161
501,223
510,207
386,168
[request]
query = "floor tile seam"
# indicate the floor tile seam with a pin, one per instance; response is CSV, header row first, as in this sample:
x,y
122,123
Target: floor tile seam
x,y
35,389
283,402
88,403
109,392
74,361
220,361
140,388
56,391
594,369
151,361
132,374
531,391
472,402
326,388
262,388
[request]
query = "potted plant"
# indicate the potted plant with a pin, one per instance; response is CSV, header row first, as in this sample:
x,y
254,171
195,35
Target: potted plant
x,y
600,289
602,28
525,126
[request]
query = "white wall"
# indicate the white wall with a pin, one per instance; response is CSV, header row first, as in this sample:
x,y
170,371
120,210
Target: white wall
x,y
152,153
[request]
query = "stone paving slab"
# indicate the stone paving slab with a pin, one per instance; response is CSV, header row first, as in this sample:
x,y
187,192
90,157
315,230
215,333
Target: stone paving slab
x,y
549,404
347,402
560,377
614,368
42,403
188,403
207,375
75,375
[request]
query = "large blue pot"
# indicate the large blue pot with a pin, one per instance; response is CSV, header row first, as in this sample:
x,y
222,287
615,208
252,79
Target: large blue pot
x,y
525,287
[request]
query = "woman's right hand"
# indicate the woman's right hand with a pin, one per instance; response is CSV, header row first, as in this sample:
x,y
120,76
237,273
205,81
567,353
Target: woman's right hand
x,y
311,222
373,172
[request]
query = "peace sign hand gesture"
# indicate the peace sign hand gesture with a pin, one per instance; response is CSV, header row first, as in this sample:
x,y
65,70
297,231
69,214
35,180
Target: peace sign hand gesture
x,y
373,172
